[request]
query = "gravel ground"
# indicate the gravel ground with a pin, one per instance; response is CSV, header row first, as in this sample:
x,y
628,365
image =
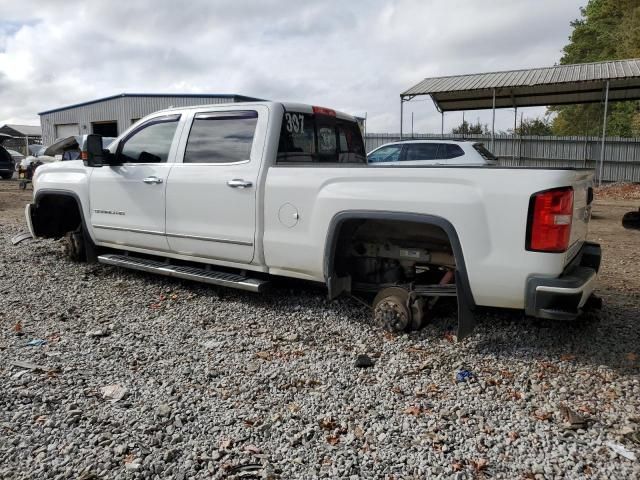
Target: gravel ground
x,y
227,384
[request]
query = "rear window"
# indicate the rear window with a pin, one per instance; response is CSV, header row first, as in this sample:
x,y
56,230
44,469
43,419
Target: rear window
x,y
484,153
316,138
451,150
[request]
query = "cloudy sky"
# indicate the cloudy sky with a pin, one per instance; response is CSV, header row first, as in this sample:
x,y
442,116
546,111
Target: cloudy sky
x,y
356,56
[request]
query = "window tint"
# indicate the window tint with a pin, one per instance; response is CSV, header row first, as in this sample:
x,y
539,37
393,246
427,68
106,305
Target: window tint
x,y
306,137
152,143
452,151
390,153
350,147
221,137
422,151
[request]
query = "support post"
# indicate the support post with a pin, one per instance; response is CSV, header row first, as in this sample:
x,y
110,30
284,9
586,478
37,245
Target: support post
x,y
401,112
26,146
411,124
493,123
463,132
520,140
604,133
441,124
515,127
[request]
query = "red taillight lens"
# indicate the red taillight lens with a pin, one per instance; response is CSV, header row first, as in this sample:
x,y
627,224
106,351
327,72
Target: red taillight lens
x,y
324,111
550,217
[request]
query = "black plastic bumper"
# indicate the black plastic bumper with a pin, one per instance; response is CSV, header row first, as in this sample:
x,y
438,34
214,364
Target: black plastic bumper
x,y
562,298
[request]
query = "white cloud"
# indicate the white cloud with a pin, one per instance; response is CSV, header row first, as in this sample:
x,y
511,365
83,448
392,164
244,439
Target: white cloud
x,y
354,56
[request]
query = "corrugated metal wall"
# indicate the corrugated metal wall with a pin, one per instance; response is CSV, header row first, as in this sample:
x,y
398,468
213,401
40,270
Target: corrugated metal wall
x,y
120,109
622,155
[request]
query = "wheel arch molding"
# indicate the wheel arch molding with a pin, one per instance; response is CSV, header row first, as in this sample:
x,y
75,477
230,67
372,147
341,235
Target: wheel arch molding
x,y
466,302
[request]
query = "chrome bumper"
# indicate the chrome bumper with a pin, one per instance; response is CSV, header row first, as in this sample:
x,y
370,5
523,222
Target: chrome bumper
x,y
562,298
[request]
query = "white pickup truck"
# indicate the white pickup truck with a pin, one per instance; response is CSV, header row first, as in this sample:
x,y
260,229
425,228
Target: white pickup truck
x,y
234,194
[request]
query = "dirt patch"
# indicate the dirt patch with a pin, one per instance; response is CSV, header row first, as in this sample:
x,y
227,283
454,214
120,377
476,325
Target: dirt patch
x,y
12,202
619,191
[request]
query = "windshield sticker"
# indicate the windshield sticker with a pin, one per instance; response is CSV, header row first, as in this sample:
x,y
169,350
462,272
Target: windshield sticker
x,y
326,140
295,122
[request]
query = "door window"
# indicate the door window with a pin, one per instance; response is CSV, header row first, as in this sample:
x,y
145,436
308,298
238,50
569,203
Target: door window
x,y
151,143
390,153
422,151
221,137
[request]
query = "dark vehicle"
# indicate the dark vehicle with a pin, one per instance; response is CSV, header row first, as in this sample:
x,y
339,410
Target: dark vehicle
x,y
7,164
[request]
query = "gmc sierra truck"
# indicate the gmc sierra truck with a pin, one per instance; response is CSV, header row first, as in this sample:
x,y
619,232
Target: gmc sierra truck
x,y
233,194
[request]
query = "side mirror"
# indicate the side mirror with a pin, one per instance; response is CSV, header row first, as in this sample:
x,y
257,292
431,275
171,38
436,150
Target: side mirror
x,y
95,152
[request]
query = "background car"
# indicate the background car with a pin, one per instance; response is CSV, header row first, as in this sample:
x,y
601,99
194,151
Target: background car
x,y
71,148
7,162
432,152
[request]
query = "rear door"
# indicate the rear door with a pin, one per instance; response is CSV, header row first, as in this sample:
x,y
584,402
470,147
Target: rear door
x,y
128,200
211,192
422,154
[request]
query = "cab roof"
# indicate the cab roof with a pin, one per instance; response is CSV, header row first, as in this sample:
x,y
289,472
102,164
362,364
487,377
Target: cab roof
x,y
288,106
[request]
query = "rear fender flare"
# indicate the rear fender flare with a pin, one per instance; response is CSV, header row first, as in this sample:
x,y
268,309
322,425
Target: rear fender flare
x,y
464,288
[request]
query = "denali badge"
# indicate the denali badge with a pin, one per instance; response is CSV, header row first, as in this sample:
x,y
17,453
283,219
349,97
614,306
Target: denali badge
x,y
108,212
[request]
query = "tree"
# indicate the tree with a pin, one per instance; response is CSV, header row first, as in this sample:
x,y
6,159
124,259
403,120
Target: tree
x,y
607,30
535,126
465,128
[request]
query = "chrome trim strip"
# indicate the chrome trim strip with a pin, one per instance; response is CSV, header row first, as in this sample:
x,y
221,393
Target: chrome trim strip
x,y
175,235
210,239
122,229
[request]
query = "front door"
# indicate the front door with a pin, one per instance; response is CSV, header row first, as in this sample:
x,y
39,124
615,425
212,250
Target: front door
x,y
211,194
128,199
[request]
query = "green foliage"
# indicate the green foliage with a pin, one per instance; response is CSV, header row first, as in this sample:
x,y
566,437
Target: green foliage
x,y
535,126
607,30
465,128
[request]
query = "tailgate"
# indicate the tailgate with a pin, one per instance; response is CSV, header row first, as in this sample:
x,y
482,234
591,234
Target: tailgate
x,y
582,203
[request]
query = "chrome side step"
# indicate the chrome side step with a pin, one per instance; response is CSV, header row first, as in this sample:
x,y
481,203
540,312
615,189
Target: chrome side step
x,y
188,273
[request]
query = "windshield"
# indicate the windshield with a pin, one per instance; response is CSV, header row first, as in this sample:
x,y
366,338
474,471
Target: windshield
x,y
319,138
486,154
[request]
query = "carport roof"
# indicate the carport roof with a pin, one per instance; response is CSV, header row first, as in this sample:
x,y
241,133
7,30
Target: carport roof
x,y
557,85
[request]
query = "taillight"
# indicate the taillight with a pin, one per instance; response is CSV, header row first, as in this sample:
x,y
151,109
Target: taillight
x,y
84,155
550,217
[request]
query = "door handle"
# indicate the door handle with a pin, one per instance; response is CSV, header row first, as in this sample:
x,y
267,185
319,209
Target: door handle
x,y
239,183
151,180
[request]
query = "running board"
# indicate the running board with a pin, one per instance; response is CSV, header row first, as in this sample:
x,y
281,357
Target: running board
x,y
212,277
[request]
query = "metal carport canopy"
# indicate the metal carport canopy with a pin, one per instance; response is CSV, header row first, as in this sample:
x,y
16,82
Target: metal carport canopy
x,y
558,85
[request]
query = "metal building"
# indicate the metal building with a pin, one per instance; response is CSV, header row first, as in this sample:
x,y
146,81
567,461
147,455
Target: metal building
x,y
111,116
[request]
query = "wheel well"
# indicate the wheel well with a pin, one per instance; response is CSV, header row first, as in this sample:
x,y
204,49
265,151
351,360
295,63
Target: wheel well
x,y
377,249
53,215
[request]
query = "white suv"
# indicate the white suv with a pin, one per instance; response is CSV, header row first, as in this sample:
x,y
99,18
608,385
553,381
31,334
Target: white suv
x,y
432,152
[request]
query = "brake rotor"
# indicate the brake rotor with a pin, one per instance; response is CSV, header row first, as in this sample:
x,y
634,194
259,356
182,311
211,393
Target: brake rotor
x,y
391,310
73,245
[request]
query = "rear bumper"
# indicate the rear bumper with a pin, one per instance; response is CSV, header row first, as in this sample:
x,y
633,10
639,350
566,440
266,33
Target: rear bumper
x,y
562,298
